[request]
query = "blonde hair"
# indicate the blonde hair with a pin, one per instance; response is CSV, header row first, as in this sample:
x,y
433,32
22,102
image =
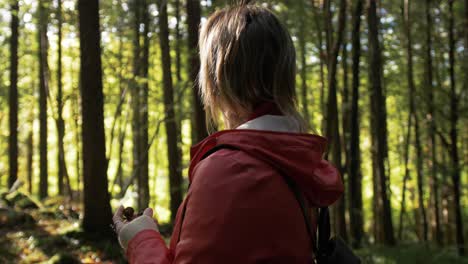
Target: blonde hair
x,y
247,58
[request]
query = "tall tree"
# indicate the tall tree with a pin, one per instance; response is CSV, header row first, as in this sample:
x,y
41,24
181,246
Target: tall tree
x,y
317,21
355,176
178,37
144,194
454,134
303,69
78,143
465,56
432,120
62,168
378,123
332,126
43,93
175,174
140,99
199,131
29,158
180,85
136,90
97,210
13,100
413,115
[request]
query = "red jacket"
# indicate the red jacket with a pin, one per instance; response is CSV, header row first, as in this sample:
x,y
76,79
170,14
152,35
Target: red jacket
x,y
239,208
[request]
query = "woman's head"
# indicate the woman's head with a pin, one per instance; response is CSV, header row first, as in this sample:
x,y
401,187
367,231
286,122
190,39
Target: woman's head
x,y
247,58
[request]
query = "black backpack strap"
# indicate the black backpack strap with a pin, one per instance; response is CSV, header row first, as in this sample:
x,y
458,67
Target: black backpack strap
x,y
304,209
323,230
216,148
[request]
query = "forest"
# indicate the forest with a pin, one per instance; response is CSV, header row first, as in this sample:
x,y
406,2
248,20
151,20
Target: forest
x,y
99,107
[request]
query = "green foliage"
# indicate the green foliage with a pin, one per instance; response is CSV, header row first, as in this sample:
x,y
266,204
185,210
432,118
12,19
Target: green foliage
x,y
411,253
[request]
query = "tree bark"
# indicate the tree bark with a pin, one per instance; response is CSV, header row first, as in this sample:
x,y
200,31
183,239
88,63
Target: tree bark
x,y
345,104
432,122
181,86
62,168
178,41
199,128
76,121
303,70
175,175
355,175
414,117
29,161
97,210
13,96
332,127
465,33
43,92
406,177
378,123
140,100
144,194
454,135
136,96
322,57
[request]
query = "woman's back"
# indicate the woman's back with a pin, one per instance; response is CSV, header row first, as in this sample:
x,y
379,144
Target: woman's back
x,y
239,208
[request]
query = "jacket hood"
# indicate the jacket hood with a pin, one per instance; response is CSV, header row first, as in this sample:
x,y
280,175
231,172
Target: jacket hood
x,y
295,155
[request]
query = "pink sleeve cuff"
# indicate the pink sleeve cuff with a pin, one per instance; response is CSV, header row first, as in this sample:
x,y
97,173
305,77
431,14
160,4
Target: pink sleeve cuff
x,y
146,243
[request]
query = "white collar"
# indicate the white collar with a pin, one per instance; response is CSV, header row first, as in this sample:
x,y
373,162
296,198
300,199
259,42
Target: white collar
x,y
271,123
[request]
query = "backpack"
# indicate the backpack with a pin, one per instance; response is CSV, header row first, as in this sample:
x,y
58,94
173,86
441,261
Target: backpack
x,y
327,250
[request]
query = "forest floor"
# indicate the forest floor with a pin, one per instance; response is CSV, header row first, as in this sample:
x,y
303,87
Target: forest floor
x,y
52,234
49,232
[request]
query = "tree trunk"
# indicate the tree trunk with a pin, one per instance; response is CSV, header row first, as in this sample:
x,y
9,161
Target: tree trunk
x,y
43,92
29,161
13,96
62,169
414,117
345,106
97,210
406,178
180,87
76,121
136,96
178,37
199,131
175,174
432,125
144,194
140,100
317,20
332,127
303,72
465,56
119,173
355,176
118,112
378,123
454,135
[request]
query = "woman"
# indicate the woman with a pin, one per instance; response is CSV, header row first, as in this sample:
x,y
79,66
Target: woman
x,y
241,207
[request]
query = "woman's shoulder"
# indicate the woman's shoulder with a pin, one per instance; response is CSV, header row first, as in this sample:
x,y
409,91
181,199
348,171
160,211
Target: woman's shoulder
x,y
230,165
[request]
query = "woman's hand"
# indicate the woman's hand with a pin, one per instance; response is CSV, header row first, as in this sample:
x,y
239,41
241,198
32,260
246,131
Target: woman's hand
x,y
128,229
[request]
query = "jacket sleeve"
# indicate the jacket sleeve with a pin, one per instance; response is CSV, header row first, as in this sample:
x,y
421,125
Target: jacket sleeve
x,y
148,247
